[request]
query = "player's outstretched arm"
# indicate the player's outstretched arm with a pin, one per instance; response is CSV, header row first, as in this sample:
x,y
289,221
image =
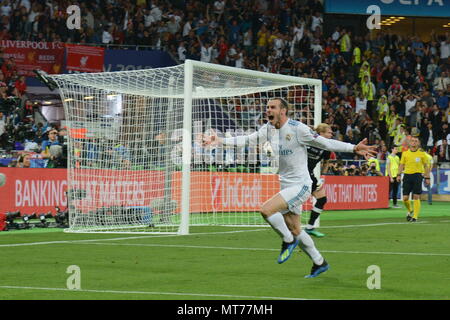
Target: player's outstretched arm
x,y
363,149
254,138
212,139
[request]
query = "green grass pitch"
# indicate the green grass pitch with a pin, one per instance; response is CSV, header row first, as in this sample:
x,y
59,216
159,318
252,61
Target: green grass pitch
x,y
236,263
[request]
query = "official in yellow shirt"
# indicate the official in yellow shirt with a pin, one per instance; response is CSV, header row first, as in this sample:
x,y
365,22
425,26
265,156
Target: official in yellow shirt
x,y
392,164
414,165
430,165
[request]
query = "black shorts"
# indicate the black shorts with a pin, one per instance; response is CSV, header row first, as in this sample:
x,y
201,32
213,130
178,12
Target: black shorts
x,y
314,183
412,183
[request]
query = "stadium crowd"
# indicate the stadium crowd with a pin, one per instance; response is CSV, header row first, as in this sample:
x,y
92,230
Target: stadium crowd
x,y
380,86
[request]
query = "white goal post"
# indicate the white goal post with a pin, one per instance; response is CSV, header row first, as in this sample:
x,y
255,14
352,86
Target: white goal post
x,y
135,158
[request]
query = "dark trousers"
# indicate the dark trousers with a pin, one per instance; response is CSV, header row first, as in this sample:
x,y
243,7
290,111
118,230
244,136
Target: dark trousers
x,y
393,190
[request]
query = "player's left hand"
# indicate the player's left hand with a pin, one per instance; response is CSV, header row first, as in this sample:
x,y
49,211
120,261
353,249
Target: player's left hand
x,y
365,150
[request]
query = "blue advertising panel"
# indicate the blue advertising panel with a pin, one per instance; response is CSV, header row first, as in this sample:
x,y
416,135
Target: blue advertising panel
x,y
444,182
422,8
126,60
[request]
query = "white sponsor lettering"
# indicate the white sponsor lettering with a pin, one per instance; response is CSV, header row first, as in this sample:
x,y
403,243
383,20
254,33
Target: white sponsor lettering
x,y
351,193
36,193
236,193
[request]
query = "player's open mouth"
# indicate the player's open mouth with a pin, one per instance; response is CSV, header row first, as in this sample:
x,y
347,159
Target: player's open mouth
x,y
270,118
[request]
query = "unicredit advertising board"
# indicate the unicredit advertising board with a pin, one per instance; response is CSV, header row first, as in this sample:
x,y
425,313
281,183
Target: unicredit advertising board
x,y
41,190
423,8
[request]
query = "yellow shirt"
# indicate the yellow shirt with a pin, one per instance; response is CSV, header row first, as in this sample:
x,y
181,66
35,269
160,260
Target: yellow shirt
x,y
377,163
262,39
367,90
345,43
394,162
357,55
430,160
414,161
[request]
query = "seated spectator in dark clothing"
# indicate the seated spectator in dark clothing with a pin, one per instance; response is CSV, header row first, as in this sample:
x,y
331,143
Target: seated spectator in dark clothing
x,y
28,107
443,131
428,137
435,117
443,151
442,100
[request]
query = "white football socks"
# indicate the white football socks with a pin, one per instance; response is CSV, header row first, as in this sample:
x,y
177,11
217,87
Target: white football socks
x,y
279,225
307,245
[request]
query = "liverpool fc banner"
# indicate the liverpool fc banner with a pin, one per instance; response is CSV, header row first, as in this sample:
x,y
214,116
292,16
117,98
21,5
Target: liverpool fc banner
x,y
84,58
30,55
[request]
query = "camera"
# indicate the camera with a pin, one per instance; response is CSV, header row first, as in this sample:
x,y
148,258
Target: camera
x,y
26,220
62,218
43,223
7,220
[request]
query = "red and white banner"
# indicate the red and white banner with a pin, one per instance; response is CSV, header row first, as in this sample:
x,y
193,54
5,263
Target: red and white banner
x,y
227,191
40,190
347,193
30,55
84,58
33,190
107,188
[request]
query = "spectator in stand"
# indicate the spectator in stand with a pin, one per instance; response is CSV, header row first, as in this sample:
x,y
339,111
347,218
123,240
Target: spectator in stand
x,y
427,137
410,103
9,68
442,100
286,38
441,82
443,151
46,144
24,161
392,164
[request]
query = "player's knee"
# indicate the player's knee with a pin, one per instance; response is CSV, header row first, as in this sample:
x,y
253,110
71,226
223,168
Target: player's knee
x,y
295,230
320,203
266,212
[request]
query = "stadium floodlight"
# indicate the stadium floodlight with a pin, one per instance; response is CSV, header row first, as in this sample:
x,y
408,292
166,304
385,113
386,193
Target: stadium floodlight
x,y
135,146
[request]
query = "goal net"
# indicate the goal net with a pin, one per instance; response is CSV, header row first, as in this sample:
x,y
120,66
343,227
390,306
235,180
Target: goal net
x,y
136,162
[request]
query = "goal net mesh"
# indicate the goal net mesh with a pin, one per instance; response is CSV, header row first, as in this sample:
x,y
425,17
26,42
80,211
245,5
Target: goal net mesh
x,y
125,138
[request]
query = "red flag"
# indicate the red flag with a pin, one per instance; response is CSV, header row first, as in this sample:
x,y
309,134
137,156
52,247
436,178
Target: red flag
x,y
84,58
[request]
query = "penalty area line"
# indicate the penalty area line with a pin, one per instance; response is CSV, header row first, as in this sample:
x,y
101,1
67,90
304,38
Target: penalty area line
x,y
153,293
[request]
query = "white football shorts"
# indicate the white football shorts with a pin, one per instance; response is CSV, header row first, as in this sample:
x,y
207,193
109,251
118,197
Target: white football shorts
x,y
295,196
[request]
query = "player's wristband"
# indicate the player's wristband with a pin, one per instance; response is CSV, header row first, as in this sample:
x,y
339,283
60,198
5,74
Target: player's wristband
x,y
427,177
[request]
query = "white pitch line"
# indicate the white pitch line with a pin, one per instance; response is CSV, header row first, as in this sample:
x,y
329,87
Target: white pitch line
x,y
201,233
371,225
263,249
122,238
154,293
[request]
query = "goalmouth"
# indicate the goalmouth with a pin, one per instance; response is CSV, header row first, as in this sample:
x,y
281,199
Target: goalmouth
x,y
136,162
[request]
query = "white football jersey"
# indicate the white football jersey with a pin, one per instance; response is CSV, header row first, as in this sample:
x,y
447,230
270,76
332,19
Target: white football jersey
x,y
289,144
